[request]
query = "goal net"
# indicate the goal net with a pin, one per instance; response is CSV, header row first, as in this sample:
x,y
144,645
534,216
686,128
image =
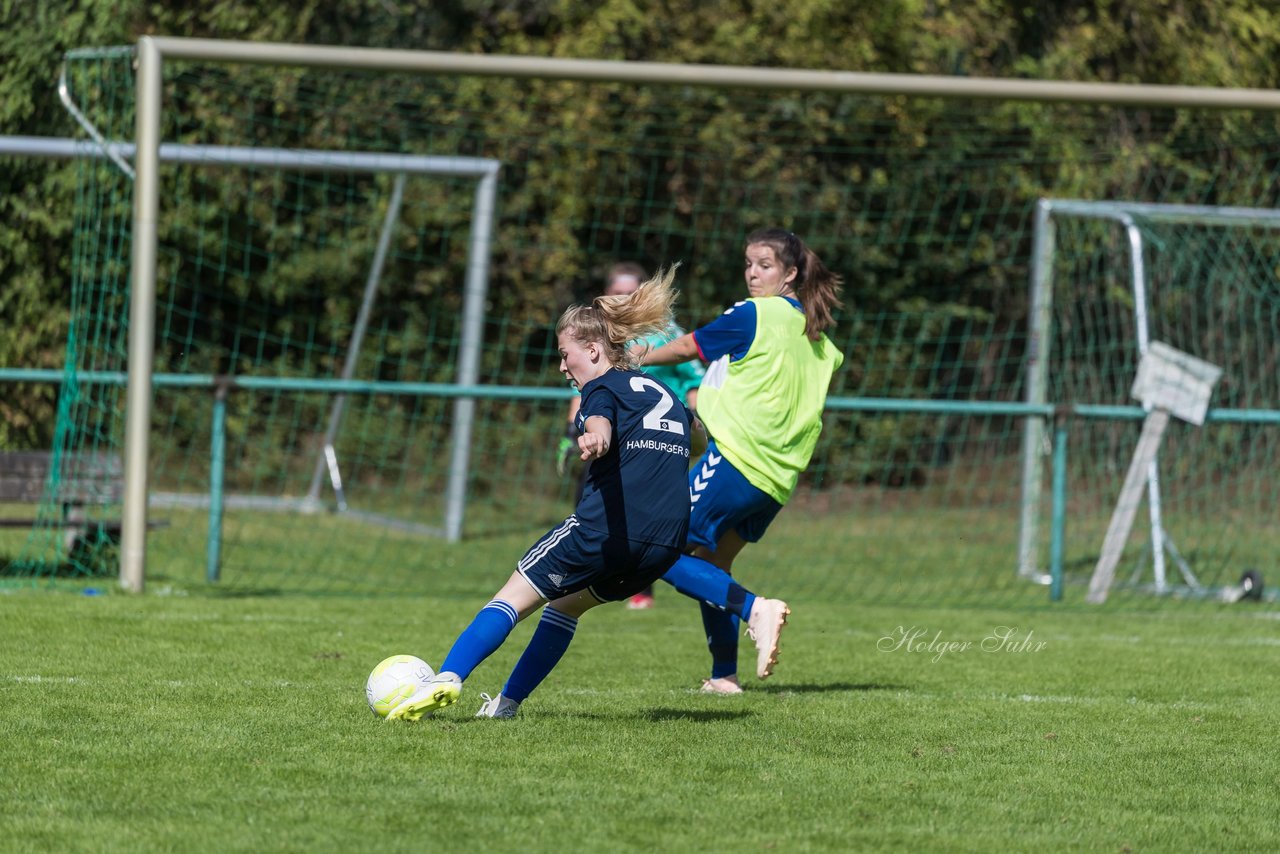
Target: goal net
x,y
1113,278
312,344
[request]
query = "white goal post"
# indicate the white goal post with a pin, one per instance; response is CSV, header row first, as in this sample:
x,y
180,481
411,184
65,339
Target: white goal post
x,y
152,51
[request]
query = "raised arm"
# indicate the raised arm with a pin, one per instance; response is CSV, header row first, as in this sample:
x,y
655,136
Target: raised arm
x,y
682,349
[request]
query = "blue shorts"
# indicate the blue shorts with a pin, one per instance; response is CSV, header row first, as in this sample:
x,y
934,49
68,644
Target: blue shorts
x,y
570,558
721,500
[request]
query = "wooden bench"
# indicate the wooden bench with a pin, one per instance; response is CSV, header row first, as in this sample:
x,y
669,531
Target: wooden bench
x,y
88,480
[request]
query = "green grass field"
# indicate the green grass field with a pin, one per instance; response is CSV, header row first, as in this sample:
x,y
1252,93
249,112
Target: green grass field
x,y
876,548
205,722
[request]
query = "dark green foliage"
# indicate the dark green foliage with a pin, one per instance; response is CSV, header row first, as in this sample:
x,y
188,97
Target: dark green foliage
x,y
547,255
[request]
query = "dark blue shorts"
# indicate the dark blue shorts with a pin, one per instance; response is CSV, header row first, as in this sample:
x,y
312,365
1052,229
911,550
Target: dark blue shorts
x,y
722,500
570,558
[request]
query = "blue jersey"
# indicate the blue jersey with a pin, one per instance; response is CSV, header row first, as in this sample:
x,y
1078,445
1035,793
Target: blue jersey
x,y
732,333
639,489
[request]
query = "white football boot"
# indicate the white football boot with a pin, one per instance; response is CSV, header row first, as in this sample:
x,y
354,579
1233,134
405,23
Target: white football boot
x,y
723,685
498,707
764,626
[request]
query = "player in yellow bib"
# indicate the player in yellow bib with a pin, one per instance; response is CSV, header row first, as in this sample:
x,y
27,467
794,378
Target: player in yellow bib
x,y
761,402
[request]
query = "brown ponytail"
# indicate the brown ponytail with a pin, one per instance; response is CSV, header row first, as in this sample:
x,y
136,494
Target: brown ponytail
x,y
817,288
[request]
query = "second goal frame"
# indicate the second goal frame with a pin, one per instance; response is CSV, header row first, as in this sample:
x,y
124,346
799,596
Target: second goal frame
x,y
1127,215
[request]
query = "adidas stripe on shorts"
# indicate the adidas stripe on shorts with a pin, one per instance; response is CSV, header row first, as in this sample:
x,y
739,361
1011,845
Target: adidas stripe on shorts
x,y
570,558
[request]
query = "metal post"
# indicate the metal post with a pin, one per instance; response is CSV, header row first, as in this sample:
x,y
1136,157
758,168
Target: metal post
x,y
1143,331
217,471
469,353
1037,373
1057,535
328,456
146,204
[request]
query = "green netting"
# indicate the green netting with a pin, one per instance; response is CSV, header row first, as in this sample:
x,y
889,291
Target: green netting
x,y
926,206
1211,290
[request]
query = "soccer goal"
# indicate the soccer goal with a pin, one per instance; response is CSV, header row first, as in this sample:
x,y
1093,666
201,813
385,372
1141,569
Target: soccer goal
x,y
328,467
1108,280
301,336
290,164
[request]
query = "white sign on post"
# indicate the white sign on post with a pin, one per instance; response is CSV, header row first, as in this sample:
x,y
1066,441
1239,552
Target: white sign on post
x,y
1169,382
1170,379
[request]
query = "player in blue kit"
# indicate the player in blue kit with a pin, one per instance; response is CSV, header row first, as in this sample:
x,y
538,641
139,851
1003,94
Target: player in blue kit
x,y
683,379
629,526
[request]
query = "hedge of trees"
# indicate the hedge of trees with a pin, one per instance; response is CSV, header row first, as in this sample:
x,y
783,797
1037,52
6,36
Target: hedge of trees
x,y
1230,43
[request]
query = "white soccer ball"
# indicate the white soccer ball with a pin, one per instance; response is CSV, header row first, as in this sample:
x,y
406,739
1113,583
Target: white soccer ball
x,y
394,680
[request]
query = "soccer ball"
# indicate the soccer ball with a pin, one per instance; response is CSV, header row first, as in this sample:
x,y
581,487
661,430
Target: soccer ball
x,y
394,680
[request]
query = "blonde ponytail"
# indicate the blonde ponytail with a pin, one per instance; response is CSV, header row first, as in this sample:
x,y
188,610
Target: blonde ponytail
x,y
616,321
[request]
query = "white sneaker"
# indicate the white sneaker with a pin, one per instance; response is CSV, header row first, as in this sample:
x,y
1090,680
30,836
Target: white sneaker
x,y
764,626
722,685
439,691
498,707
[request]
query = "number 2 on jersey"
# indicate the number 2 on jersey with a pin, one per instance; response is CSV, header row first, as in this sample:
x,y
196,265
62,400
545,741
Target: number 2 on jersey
x,y
655,418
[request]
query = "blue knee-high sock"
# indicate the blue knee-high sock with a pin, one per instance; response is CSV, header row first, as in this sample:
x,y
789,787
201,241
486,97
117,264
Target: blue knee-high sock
x,y
478,641
722,640
707,582
547,646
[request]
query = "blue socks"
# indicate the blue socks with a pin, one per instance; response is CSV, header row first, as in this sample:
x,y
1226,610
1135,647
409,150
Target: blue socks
x,y
722,640
488,631
546,648
478,641
708,583
725,603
